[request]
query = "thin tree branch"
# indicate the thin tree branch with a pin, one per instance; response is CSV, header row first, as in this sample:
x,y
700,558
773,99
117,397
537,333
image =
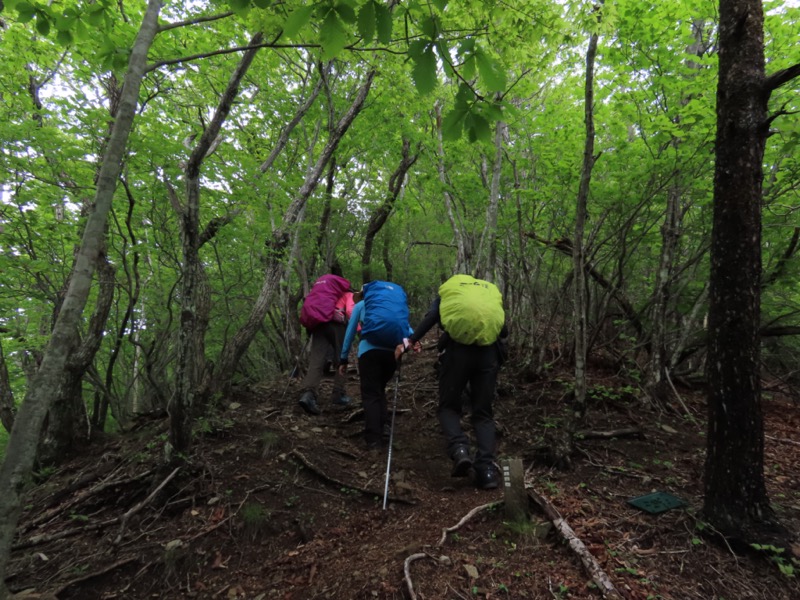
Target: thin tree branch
x,y
215,225
784,76
194,21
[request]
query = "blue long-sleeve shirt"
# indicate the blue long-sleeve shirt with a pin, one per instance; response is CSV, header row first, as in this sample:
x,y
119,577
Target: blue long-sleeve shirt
x,y
364,345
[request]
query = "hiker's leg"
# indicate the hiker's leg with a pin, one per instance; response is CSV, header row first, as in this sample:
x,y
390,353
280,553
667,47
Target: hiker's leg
x,y
453,376
388,368
316,359
483,382
336,339
372,384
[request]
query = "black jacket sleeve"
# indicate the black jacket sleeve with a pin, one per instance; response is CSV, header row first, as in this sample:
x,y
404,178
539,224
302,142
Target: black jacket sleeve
x,y
430,319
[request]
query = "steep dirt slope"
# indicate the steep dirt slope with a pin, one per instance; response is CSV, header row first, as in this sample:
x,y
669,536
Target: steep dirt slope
x,y
278,504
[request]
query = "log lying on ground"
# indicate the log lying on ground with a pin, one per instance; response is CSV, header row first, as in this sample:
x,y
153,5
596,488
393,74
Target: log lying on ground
x,y
599,577
608,435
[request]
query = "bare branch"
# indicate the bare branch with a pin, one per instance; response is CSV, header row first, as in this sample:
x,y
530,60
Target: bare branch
x,y
776,80
215,225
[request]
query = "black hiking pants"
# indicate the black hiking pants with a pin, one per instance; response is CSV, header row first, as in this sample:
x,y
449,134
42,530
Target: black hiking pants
x,y
478,366
375,368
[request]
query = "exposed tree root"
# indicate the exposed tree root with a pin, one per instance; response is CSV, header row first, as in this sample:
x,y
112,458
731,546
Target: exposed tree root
x,y
599,577
782,440
407,573
92,575
347,484
43,539
124,519
465,519
407,564
81,496
36,540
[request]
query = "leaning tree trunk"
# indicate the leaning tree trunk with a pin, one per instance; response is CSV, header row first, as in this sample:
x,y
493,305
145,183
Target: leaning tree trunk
x,y
381,214
67,420
195,296
238,344
131,270
736,499
21,449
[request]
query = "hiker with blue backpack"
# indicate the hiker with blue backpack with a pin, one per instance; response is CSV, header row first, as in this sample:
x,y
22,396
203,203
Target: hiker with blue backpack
x,y
470,311
381,310
324,315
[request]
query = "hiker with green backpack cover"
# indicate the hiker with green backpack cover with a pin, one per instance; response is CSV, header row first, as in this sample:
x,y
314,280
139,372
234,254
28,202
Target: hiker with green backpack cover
x,y
381,310
470,311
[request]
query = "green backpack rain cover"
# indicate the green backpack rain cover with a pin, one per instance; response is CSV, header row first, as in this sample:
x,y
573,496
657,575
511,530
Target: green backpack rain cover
x,y
471,310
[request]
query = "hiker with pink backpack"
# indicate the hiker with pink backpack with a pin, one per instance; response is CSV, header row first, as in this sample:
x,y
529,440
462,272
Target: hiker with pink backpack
x,y
325,312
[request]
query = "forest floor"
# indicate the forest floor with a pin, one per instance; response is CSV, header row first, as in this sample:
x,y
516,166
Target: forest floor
x,y
280,504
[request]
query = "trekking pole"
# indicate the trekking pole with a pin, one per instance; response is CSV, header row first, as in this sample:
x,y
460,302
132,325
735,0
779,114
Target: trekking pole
x,y
391,436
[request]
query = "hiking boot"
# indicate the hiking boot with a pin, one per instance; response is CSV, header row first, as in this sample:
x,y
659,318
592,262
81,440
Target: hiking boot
x,y
487,478
462,462
341,399
308,401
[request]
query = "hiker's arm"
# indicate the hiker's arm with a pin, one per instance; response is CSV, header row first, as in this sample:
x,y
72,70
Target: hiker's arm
x,y
430,319
350,334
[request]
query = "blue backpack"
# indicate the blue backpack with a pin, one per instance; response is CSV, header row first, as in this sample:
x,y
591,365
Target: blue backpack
x,y
385,321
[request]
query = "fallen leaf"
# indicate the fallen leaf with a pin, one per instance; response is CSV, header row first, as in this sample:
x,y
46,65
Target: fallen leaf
x,y
173,545
218,562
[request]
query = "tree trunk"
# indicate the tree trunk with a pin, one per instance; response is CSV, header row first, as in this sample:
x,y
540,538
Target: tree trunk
x,y
736,501
67,423
462,243
578,257
378,218
670,233
238,344
21,450
195,295
487,250
131,270
6,395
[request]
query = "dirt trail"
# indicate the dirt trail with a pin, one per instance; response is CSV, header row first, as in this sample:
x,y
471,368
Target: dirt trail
x,y
279,504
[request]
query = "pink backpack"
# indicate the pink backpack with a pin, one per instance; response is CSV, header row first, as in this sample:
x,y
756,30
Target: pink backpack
x,y
320,304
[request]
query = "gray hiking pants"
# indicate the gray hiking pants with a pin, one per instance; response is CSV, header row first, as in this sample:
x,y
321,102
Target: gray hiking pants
x,y
325,339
